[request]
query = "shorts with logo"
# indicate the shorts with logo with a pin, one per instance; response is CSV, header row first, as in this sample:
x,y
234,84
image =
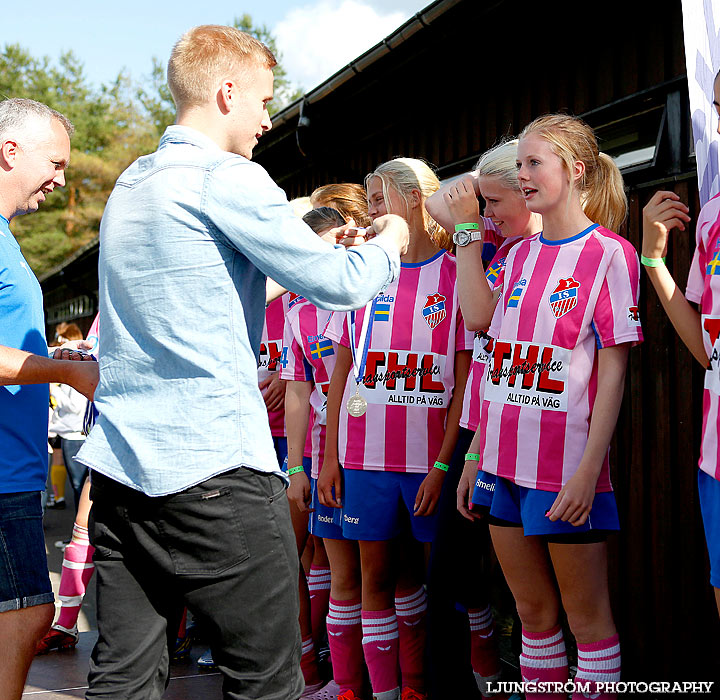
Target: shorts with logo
x,y
24,578
324,521
379,506
522,506
709,489
484,489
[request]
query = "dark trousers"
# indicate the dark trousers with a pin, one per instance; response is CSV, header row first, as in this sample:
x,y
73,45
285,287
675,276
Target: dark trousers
x,y
224,548
455,583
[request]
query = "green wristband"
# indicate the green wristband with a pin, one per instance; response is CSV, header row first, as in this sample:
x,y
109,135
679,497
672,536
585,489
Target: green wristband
x,y
652,262
295,470
472,457
472,226
442,467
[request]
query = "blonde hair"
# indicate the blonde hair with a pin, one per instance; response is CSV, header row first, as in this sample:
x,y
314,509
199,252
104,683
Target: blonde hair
x,y
601,188
405,175
347,197
69,331
206,54
301,206
500,161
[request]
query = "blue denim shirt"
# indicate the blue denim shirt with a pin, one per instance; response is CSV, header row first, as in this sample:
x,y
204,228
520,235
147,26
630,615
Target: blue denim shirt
x,y
188,235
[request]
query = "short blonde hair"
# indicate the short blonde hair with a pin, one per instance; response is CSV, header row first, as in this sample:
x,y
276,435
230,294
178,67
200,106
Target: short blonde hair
x,y
601,188
500,161
405,175
206,54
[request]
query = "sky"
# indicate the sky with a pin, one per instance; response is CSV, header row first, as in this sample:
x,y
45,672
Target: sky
x,y
315,37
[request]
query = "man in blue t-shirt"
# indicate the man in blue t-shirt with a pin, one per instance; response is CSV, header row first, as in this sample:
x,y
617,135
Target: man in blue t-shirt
x,y
34,152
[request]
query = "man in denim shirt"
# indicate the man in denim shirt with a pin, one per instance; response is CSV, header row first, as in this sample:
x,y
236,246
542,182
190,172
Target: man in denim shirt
x,y
188,505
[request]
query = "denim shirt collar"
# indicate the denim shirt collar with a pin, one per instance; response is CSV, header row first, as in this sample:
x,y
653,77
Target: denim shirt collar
x,y
177,133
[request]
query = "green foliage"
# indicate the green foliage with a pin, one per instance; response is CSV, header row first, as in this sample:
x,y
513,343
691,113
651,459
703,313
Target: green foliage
x,y
114,124
285,91
111,130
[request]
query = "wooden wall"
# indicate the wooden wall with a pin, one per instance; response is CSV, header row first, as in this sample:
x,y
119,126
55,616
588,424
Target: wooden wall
x,y
482,71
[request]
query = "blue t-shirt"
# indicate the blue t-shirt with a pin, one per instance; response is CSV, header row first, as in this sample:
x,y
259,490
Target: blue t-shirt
x,y
23,409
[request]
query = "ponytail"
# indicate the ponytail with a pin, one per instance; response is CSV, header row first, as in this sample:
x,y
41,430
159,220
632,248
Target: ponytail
x,y
601,188
604,200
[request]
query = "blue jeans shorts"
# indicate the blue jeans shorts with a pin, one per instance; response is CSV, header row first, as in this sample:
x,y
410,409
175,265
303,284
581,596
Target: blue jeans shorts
x,y
24,578
709,489
378,505
514,505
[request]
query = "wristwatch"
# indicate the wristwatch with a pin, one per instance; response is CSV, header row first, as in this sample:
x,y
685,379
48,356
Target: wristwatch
x,y
462,238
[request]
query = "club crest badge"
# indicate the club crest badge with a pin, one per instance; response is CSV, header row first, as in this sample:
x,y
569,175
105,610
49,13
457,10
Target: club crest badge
x,y
434,311
565,297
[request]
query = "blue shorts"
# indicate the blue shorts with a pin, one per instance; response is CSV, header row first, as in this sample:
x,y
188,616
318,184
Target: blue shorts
x,y
24,578
484,489
280,445
324,521
521,506
709,489
379,505
306,464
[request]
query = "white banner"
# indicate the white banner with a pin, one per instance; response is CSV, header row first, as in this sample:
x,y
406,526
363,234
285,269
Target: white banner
x,y
702,58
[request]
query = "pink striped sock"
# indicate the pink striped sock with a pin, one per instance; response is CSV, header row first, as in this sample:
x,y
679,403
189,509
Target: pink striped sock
x,y
319,588
411,610
344,628
544,659
598,662
380,646
308,662
77,570
484,656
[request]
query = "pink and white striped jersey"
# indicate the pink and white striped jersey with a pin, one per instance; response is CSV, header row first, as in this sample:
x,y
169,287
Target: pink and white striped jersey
x,y
472,400
271,350
703,288
409,377
561,301
310,357
93,336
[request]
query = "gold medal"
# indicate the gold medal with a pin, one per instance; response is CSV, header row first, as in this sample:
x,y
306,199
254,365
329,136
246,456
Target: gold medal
x,y
356,405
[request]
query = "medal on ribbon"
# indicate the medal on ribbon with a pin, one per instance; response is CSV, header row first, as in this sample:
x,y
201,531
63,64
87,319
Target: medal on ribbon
x,y
357,405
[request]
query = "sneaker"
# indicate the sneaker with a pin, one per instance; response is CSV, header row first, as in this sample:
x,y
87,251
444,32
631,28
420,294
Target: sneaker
x,y
205,662
58,639
58,504
330,691
311,689
182,648
348,695
412,694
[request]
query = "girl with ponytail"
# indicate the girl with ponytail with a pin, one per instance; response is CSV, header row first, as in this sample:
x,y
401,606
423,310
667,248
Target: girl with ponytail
x,y
559,339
